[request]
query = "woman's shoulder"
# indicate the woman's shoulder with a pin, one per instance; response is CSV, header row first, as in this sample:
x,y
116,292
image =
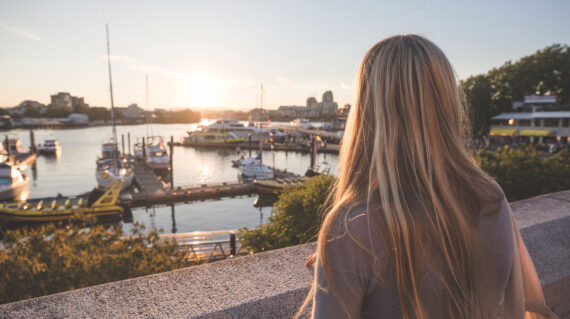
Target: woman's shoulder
x,y
357,230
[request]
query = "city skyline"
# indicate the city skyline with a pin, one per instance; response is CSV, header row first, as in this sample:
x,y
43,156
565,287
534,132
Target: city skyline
x,y
213,55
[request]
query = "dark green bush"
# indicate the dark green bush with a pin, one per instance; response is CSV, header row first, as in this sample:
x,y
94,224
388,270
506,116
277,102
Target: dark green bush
x,y
47,260
296,217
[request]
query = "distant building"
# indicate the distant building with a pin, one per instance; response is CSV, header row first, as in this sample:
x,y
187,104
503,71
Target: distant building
x,y
67,102
537,119
314,109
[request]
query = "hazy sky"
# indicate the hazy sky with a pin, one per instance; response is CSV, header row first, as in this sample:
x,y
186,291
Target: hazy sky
x,y
209,54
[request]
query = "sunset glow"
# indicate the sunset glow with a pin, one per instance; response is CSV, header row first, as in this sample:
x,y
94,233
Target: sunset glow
x,y
201,91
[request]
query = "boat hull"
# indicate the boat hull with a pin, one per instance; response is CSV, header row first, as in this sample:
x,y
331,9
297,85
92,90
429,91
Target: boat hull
x,y
19,191
10,216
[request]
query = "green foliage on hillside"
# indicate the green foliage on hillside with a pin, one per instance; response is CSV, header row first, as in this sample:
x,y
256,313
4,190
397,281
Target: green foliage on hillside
x,y
296,217
47,260
182,116
545,72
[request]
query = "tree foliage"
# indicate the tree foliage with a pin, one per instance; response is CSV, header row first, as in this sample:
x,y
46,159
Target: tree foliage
x,y
296,217
546,72
48,259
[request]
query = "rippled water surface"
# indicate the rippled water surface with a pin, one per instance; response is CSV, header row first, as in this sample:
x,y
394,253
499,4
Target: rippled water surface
x,y
73,172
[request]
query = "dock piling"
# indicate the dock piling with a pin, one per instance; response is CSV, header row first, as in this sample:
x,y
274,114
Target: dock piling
x,y
32,142
144,150
232,244
171,162
123,143
7,143
129,142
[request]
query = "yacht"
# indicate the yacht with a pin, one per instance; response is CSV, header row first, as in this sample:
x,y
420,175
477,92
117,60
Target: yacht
x,y
199,137
50,147
258,134
13,183
303,123
252,168
156,154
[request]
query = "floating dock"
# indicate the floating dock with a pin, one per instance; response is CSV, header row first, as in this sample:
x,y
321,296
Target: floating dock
x,y
151,190
290,147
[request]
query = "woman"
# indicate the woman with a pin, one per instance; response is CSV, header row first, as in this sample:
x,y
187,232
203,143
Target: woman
x,y
416,228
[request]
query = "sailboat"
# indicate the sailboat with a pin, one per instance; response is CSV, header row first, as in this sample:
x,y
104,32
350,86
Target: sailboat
x,y
111,165
253,168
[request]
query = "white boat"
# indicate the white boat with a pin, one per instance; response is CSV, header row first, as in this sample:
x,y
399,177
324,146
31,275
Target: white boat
x,y
13,183
138,151
303,123
156,154
252,168
111,167
198,137
258,134
50,147
256,171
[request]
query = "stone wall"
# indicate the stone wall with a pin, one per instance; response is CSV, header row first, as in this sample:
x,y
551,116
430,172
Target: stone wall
x,y
273,284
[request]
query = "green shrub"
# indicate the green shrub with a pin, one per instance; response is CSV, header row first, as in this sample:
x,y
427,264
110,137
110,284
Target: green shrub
x,y
47,260
523,172
295,219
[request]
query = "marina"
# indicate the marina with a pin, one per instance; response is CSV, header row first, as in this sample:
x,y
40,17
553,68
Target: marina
x,y
208,193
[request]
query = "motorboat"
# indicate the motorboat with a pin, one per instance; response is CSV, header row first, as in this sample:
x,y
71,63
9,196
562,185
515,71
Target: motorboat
x,y
14,185
256,171
50,147
59,209
257,134
302,123
252,168
156,154
198,137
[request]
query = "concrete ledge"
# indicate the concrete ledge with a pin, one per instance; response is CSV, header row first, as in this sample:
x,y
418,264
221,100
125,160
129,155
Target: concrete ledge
x,y
274,284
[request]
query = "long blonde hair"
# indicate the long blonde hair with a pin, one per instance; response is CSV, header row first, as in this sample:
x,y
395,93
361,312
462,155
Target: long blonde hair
x,y
404,147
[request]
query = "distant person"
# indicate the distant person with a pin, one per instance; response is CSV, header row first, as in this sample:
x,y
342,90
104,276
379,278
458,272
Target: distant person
x,y
416,229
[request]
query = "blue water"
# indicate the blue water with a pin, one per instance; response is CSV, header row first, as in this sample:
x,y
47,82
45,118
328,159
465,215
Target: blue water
x,y
73,172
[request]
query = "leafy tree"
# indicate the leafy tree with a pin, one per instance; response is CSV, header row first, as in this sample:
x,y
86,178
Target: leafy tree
x,y
296,217
545,72
48,259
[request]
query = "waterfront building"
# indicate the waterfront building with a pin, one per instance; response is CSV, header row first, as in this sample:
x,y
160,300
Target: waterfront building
x,y
313,109
66,102
539,120
132,113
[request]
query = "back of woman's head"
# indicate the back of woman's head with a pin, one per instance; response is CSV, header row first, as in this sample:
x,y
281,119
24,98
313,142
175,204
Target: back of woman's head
x,y
404,148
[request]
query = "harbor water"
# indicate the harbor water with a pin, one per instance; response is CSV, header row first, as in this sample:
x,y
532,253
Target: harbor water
x,y
73,173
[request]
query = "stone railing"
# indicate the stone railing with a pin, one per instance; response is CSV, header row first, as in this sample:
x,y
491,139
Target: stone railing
x,y
274,284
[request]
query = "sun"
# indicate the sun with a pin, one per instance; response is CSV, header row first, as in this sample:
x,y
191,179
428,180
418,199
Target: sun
x,y
202,91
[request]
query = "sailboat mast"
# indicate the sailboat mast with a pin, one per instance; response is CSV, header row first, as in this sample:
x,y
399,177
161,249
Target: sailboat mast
x,y
261,105
147,109
111,88
115,148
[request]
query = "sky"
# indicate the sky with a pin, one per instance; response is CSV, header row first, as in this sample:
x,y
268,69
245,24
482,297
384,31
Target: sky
x,y
214,54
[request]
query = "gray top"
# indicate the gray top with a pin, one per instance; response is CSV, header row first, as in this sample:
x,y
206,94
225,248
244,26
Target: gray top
x,y
355,272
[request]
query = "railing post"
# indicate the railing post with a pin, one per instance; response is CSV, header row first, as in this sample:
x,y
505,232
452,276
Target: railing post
x,y
232,244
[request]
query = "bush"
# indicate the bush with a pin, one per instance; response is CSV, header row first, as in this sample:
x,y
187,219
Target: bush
x,y
47,260
523,172
296,217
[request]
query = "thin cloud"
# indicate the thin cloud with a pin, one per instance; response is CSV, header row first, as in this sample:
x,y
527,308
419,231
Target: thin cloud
x,y
150,68
22,32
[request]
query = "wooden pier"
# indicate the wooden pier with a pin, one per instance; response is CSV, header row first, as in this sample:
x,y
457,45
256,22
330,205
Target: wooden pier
x,y
290,147
150,190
